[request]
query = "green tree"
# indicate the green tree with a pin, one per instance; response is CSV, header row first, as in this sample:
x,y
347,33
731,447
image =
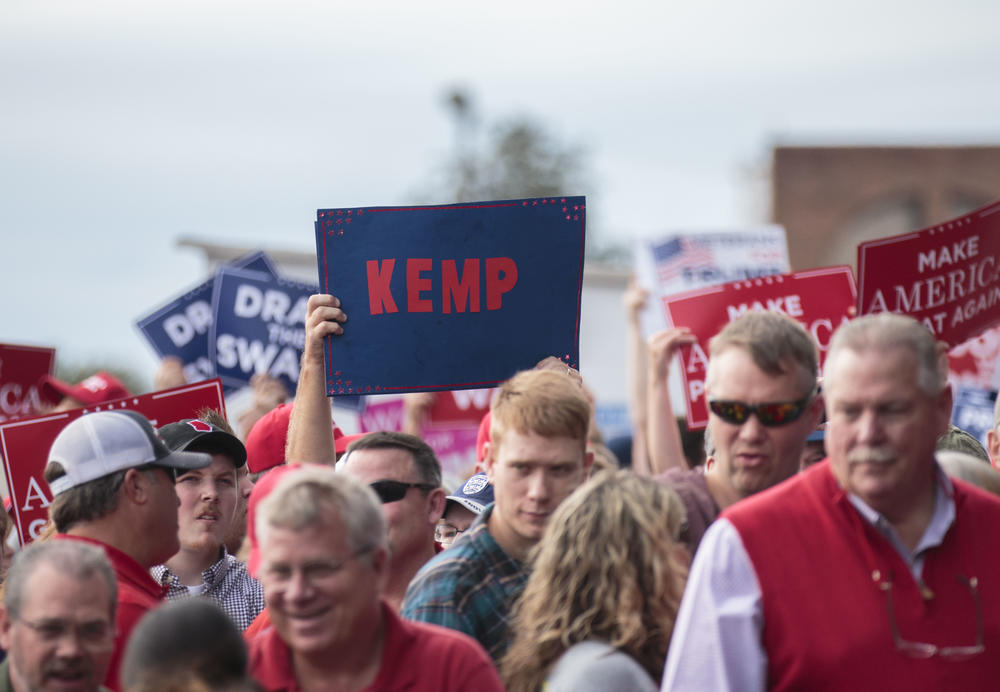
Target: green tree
x,y
519,158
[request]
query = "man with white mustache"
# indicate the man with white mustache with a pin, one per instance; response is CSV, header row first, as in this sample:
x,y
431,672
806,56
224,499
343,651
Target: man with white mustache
x,y
869,571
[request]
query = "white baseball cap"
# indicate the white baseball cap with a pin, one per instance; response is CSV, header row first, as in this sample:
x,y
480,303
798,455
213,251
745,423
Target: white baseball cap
x,y
99,444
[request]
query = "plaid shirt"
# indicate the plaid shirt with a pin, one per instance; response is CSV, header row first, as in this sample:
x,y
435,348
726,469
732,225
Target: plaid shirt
x,y
469,587
227,582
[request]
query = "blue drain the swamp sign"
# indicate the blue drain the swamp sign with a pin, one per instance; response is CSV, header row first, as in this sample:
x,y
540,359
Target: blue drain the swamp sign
x,y
453,296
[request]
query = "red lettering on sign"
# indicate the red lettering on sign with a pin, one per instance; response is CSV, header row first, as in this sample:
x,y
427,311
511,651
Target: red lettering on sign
x,y
379,295
463,292
416,284
496,285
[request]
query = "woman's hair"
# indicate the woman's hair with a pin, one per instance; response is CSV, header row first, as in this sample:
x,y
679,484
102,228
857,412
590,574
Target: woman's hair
x,y
609,567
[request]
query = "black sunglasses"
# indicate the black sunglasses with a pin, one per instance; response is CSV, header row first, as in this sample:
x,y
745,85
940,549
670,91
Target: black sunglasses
x,y
393,491
771,415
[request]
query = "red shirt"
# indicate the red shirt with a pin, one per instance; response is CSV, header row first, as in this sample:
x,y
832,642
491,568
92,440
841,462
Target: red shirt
x,y
138,593
416,657
259,624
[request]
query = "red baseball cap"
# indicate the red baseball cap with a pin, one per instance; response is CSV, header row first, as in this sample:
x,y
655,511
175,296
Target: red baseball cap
x,y
96,389
267,439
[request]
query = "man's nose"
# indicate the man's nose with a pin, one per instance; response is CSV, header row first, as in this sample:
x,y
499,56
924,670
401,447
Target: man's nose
x,y
869,428
752,428
538,485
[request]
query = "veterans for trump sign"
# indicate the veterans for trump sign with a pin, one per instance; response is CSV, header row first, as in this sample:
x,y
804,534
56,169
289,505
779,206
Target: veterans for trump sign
x,y
821,299
947,276
456,296
21,367
25,444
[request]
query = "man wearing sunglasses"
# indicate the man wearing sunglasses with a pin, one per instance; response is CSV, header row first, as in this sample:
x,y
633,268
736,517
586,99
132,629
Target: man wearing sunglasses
x,y
406,476
868,571
763,404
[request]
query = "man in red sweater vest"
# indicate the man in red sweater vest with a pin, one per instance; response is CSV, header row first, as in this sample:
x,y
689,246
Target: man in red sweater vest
x,y
871,570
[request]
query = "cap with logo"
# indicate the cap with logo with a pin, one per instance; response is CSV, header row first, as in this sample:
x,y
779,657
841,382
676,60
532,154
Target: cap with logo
x,y
193,434
99,444
96,389
475,494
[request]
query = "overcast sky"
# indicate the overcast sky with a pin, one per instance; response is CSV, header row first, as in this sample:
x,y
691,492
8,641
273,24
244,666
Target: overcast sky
x,y
125,125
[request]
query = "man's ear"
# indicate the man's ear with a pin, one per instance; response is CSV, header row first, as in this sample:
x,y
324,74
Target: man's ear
x,y
945,401
488,463
136,486
436,502
816,408
993,447
6,624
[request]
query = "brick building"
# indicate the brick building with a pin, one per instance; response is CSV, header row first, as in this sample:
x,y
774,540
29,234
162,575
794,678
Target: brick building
x,y
829,199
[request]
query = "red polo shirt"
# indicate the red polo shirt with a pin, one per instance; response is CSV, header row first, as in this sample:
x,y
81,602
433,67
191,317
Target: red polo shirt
x,y
138,593
416,657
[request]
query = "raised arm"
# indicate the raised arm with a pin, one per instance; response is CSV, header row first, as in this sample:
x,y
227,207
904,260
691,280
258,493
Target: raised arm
x,y
665,448
634,301
310,430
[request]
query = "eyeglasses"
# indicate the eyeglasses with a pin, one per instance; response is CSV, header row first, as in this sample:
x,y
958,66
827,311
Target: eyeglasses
x,y
96,634
925,650
393,491
771,414
445,534
317,573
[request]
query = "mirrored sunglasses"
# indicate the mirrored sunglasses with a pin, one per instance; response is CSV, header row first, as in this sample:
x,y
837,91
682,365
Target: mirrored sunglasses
x,y
771,414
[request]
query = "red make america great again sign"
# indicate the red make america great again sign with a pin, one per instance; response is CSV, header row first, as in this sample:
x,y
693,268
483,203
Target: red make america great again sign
x,y
947,276
25,444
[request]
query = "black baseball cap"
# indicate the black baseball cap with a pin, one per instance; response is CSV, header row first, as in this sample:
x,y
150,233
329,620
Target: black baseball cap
x,y
197,435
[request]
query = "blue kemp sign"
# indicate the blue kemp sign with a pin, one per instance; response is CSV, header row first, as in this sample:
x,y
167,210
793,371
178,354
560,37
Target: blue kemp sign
x,y
180,328
259,326
454,296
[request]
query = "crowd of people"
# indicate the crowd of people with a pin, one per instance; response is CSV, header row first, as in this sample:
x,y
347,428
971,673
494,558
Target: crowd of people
x,y
297,558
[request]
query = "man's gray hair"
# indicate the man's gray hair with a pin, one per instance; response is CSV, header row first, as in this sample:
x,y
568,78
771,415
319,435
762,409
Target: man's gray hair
x,y
306,497
73,558
885,330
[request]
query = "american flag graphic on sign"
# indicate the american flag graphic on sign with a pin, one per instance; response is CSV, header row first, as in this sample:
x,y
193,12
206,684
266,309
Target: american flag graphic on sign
x,y
677,254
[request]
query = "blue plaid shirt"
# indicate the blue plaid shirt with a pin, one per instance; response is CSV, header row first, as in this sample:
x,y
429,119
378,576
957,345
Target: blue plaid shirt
x,y
470,587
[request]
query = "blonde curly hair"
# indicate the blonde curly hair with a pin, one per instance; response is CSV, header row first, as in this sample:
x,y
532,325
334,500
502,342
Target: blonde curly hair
x,y
609,567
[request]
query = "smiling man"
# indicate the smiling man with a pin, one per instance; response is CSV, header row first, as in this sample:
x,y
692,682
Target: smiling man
x,y
763,404
57,623
863,572
208,502
535,458
323,563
